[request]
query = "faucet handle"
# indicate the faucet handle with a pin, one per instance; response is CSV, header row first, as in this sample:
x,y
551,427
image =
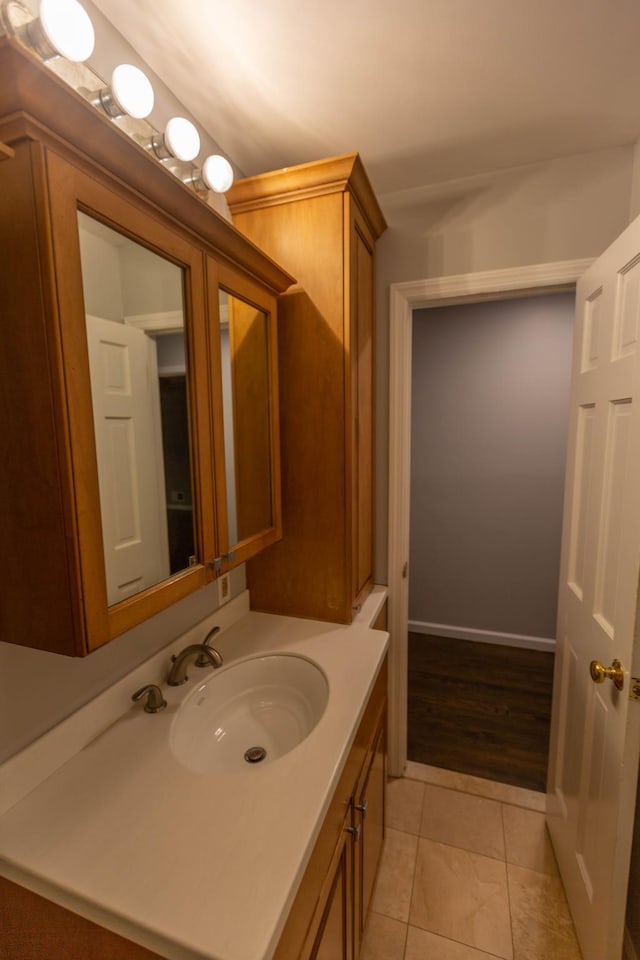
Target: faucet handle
x,y
154,701
203,661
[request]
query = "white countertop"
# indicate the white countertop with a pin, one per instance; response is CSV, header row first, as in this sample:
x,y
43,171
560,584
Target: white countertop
x,y
193,865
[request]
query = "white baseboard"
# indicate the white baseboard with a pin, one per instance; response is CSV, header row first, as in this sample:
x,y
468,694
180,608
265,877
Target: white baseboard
x,y
483,636
629,951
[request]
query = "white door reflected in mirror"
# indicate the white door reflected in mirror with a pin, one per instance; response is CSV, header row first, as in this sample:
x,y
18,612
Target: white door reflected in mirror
x,y
139,384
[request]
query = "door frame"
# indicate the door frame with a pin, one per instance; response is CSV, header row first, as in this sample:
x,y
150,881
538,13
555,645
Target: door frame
x,y
404,298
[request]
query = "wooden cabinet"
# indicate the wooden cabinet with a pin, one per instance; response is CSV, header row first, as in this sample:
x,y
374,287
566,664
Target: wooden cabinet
x,y
321,220
329,913
130,478
246,425
334,939
34,928
369,808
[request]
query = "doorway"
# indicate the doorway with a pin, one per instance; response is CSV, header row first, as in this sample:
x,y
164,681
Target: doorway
x,y
404,298
489,418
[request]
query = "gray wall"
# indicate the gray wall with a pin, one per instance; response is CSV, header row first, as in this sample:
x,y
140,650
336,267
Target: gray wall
x,y
490,401
563,209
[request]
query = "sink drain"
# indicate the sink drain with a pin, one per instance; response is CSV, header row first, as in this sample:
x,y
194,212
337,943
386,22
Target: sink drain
x,y
255,754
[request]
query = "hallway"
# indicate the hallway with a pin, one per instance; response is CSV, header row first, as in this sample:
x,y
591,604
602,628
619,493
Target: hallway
x,y
467,873
480,708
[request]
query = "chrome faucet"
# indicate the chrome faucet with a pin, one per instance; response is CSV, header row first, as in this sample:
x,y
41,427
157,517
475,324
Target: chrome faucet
x,y
178,672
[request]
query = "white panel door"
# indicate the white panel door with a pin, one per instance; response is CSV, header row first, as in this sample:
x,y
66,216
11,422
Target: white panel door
x,y
595,737
126,413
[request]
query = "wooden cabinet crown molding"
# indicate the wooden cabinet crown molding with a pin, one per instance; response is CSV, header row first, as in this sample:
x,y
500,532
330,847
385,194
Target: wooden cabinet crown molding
x,y
332,175
36,104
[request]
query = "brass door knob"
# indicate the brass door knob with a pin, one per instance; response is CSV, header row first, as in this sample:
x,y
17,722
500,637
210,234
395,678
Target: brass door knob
x,y
600,673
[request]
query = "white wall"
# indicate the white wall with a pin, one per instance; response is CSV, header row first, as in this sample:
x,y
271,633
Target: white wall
x,y
150,284
558,210
102,282
490,404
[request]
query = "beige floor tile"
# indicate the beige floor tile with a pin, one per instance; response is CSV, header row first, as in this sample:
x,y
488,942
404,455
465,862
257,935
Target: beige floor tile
x,y
422,945
384,939
463,896
404,805
542,927
392,893
473,823
527,840
504,792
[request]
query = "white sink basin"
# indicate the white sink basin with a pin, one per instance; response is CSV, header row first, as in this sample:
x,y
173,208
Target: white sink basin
x,y
249,714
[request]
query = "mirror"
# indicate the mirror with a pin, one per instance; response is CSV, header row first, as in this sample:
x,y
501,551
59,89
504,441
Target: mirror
x,y
244,347
134,305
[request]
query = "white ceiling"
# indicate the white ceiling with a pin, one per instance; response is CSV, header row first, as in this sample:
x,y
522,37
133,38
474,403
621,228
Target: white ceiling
x,y
425,90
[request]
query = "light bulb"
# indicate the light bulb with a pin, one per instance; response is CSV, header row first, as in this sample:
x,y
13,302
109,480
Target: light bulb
x,y
132,91
68,30
182,139
217,173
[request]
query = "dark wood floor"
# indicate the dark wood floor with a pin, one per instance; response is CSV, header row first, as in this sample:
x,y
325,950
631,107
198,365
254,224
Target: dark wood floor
x,y
480,709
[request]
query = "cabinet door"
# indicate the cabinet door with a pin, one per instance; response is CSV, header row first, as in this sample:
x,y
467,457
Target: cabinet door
x,y
138,448
361,415
335,938
369,807
34,928
243,348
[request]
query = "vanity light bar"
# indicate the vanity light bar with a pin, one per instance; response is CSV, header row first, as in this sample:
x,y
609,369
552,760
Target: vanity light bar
x,y
64,29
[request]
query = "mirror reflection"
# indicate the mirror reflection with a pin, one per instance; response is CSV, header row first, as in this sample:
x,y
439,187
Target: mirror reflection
x,y
244,345
136,336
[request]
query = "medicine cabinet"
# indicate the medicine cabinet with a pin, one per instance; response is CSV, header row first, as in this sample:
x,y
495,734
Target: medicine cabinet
x,y
138,362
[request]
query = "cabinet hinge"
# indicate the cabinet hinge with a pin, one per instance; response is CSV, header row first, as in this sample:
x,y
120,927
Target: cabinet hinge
x,y
635,689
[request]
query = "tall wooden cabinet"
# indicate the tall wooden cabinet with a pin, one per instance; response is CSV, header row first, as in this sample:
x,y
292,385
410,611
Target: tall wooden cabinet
x,y
321,221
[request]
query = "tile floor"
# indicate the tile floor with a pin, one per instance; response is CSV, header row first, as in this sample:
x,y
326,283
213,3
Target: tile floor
x,y
467,873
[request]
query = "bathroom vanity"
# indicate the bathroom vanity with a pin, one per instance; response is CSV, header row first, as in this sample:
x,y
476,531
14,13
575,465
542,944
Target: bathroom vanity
x,y
126,852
